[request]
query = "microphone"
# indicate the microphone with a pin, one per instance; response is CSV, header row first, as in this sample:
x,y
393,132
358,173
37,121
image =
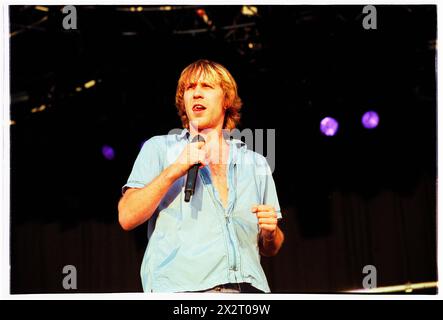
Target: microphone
x,y
192,174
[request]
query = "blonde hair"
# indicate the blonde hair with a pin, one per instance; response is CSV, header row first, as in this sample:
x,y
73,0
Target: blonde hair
x,y
217,74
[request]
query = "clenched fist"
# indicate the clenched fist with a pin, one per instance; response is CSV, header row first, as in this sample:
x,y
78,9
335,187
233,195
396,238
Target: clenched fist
x,y
267,220
193,153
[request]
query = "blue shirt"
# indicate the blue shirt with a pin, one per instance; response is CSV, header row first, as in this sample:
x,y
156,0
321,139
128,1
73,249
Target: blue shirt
x,y
200,244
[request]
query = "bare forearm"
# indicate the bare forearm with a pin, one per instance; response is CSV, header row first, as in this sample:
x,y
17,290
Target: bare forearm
x,y
270,247
137,205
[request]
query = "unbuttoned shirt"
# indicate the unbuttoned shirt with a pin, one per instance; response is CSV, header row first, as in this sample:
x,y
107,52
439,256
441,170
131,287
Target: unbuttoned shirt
x,y
200,244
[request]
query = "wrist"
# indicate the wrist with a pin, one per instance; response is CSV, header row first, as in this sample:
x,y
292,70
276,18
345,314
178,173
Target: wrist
x,y
269,237
173,172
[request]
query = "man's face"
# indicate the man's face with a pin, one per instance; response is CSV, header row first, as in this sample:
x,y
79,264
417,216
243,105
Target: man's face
x,y
204,104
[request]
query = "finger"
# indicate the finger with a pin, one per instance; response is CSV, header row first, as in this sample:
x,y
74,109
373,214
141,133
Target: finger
x,y
202,163
202,157
207,157
205,147
254,208
192,154
267,227
266,214
267,221
194,148
265,207
187,160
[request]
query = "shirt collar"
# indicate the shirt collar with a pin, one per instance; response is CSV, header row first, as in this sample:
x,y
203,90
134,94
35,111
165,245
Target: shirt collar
x,y
184,135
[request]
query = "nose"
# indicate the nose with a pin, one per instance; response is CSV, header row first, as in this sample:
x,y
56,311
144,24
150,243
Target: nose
x,y
198,92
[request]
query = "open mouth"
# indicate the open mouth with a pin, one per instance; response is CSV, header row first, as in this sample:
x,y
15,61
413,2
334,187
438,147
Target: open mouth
x,y
198,107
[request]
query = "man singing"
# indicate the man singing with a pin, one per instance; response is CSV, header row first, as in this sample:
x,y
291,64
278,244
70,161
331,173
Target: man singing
x,y
213,242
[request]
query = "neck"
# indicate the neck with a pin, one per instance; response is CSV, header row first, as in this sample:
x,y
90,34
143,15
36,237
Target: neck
x,y
213,135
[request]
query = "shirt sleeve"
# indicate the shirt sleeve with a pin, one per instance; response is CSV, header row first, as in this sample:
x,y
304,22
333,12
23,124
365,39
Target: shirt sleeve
x,y
270,193
147,166
268,189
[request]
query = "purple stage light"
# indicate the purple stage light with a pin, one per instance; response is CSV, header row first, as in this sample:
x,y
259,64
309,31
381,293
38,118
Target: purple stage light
x,y
370,120
108,152
329,126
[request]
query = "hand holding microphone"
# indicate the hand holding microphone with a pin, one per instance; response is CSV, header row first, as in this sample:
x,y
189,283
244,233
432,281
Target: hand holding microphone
x,y
193,171
190,160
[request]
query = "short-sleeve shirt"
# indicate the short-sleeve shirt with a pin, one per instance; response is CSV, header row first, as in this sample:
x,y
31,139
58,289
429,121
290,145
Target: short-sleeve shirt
x,y
197,245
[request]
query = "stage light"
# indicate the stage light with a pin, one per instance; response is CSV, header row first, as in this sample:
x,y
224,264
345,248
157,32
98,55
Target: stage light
x,y
132,9
139,9
201,12
249,11
329,126
370,120
38,109
41,8
108,152
250,45
165,8
89,84
78,89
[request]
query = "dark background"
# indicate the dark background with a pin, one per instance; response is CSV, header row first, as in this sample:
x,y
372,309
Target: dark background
x,y
360,197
